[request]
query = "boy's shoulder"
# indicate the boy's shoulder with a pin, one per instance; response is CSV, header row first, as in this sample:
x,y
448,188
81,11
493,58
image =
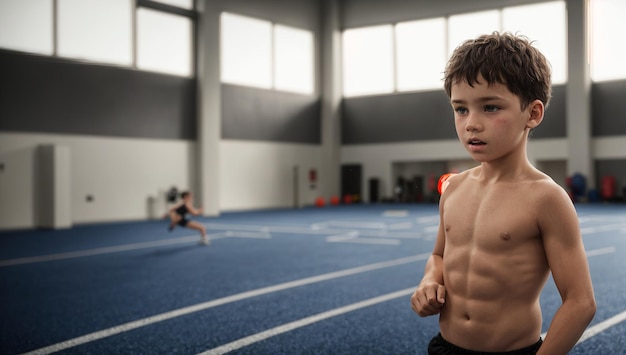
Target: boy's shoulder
x,y
533,182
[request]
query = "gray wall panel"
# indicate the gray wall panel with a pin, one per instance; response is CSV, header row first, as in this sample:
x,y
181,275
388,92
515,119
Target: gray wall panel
x,y
269,115
554,123
608,111
52,95
397,118
421,116
266,115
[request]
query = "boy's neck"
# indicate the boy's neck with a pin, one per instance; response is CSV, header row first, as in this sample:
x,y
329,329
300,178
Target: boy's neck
x,y
505,169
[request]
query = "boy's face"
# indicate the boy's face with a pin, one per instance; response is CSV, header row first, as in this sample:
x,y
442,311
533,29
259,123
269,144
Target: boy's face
x,y
489,121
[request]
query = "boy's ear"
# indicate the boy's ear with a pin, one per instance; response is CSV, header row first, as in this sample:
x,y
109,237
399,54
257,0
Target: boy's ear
x,y
536,110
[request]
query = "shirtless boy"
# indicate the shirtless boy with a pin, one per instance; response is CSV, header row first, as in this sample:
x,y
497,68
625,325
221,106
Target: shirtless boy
x,y
179,216
504,225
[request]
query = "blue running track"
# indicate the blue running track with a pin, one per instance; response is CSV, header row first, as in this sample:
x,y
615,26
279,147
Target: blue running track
x,y
332,280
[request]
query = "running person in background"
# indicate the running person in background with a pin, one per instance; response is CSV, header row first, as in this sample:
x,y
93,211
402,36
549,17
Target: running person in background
x,y
179,216
504,225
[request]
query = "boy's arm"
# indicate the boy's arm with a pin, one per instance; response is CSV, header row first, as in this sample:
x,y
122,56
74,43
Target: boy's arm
x,y
566,256
429,296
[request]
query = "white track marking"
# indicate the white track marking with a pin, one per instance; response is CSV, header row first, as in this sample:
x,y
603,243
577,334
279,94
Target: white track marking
x,y
428,219
255,338
254,235
230,230
105,250
590,253
602,251
361,240
222,301
602,326
240,343
342,237
396,213
602,228
598,328
401,225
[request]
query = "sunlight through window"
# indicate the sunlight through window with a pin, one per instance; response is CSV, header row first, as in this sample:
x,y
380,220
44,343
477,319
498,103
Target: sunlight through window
x,y
547,30
164,42
607,40
368,61
26,25
246,51
420,54
96,30
471,25
293,60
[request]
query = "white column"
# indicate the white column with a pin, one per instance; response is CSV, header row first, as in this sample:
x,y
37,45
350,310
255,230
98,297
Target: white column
x,y
578,94
53,187
331,98
209,106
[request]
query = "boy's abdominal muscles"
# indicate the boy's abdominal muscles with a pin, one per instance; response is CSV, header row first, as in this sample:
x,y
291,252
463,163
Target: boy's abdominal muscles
x,y
492,310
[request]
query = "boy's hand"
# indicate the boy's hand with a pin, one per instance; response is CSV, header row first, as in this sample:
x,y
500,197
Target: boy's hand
x,y
428,299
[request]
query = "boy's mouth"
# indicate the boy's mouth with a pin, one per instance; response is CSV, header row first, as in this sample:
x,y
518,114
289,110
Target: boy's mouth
x,y
474,141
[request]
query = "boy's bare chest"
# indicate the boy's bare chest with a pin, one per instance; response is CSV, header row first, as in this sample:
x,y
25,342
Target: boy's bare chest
x,y
491,220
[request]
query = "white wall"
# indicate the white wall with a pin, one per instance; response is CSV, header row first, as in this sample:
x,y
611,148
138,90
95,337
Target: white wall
x,y
121,174
257,175
609,147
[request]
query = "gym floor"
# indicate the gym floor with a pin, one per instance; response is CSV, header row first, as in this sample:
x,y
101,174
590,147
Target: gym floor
x,y
331,280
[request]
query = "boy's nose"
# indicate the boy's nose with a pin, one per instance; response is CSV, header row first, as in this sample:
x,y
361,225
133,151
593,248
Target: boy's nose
x,y
472,123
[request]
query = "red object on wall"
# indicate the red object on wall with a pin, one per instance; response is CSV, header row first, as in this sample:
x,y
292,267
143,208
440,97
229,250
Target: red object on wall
x,y
312,176
608,187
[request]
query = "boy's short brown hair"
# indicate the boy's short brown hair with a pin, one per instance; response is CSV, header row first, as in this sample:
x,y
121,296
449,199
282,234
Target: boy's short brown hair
x,y
502,58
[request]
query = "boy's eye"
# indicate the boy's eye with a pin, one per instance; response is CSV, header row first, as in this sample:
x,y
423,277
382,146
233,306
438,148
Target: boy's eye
x,y
491,108
460,110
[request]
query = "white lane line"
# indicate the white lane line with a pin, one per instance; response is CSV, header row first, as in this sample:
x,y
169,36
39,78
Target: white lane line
x,y
602,326
598,328
361,240
602,251
253,235
221,301
602,228
105,250
590,253
254,338
396,213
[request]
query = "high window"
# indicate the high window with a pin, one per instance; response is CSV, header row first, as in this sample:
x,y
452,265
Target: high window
x,y
26,25
607,37
164,42
262,54
96,30
409,56
154,35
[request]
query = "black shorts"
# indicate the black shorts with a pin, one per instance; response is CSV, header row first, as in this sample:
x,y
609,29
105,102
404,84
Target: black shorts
x,y
439,346
183,222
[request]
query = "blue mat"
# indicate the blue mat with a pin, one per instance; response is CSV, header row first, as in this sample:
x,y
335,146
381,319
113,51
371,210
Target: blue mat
x,y
101,286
